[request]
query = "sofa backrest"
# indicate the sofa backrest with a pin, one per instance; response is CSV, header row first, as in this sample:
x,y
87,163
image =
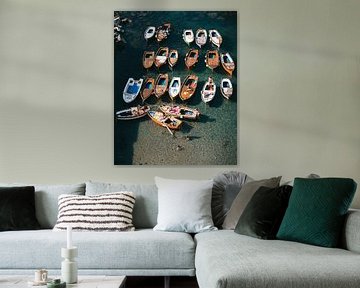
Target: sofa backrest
x,y
146,203
46,200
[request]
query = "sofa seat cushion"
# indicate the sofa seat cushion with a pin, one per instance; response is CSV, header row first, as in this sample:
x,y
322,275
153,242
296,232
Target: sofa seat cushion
x,y
226,259
142,249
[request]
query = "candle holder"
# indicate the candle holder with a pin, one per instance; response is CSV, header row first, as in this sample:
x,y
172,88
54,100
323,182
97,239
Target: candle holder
x,y
69,271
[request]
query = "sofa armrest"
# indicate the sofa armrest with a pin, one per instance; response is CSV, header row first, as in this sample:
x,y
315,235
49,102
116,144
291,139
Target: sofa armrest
x,y
351,234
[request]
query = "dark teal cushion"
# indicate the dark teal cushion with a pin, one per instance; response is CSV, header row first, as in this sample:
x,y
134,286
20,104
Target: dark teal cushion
x,y
264,213
17,208
316,211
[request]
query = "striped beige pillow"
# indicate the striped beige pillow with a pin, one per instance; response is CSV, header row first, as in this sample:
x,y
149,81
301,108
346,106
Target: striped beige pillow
x,y
105,212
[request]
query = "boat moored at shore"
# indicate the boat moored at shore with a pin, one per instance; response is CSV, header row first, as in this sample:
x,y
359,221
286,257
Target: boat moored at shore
x,y
163,120
226,88
188,87
161,84
200,37
180,111
212,59
173,57
215,37
191,58
149,32
163,32
148,89
174,87
132,89
148,59
132,113
227,63
209,90
161,56
188,36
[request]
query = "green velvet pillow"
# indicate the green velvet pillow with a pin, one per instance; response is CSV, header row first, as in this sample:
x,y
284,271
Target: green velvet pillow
x,y
17,208
263,214
316,211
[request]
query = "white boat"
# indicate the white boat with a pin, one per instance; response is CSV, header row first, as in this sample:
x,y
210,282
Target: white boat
x,y
174,87
161,56
208,91
227,63
226,88
188,36
132,113
215,37
149,32
201,37
132,89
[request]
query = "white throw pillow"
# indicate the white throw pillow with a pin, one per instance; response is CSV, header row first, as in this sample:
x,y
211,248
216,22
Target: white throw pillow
x,y
184,205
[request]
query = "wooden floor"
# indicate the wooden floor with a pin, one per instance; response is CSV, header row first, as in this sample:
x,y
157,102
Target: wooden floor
x,y
158,282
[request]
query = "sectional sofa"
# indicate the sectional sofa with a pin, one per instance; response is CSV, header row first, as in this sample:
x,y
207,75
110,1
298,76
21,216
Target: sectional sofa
x,y
218,259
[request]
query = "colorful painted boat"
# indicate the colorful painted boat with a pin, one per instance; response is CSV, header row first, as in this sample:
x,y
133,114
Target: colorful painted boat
x,y
179,111
201,37
212,59
161,56
226,88
209,90
161,85
148,59
188,87
173,57
163,120
227,63
215,37
148,88
132,89
191,58
163,32
132,113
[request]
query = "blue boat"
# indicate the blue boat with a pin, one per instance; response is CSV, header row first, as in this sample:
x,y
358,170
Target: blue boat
x,y
132,89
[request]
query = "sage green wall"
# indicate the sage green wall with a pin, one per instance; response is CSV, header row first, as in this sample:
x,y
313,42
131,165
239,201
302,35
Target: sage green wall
x,y
299,90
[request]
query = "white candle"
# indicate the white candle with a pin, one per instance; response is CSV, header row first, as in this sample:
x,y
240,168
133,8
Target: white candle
x,y
69,237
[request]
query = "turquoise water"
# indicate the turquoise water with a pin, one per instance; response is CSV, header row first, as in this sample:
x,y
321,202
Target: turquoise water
x,y
211,140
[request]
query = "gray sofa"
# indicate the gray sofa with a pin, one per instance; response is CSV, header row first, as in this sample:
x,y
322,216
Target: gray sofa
x,y
218,259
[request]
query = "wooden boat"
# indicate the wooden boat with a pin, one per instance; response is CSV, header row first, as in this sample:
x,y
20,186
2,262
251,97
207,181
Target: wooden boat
x,y
191,58
201,37
180,111
148,88
132,89
212,59
226,88
188,87
148,59
163,120
161,84
215,37
162,32
227,62
174,87
161,56
173,57
149,32
208,91
132,113
188,36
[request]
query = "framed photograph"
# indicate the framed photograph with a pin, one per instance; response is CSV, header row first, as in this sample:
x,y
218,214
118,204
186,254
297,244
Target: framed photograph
x,y
175,87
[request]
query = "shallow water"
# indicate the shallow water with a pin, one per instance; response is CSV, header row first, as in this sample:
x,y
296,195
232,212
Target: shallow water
x,y
211,140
